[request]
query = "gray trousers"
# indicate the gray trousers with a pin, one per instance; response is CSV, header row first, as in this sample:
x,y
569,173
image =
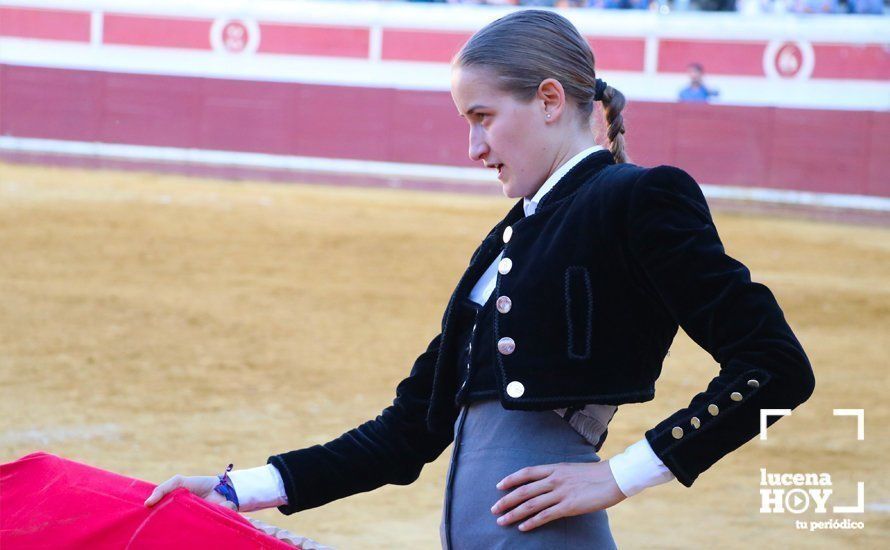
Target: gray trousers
x,y
490,443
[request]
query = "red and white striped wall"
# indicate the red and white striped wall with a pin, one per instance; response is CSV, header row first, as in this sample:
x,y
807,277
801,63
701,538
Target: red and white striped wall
x,y
362,88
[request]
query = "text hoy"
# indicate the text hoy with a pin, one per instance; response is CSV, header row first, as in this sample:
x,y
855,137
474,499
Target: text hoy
x,y
777,499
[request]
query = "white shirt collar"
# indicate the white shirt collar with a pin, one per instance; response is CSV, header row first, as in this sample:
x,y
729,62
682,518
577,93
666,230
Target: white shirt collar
x,y
531,205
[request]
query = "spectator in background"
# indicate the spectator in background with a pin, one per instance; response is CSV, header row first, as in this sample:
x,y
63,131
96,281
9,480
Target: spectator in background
x,y
602,4
874,7
754,7
619,4
489,2
815,6
539,3
696,91
717,5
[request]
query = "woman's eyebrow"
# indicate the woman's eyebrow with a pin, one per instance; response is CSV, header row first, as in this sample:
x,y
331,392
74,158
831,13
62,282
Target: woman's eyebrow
x,y
473,108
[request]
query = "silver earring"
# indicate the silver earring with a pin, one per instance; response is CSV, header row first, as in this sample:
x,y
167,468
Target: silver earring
x,y
548,115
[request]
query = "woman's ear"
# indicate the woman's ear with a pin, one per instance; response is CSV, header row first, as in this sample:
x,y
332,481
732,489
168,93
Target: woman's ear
x,y
553,98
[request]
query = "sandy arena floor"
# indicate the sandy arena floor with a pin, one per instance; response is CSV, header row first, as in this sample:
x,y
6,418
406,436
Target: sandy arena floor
x,y
154,325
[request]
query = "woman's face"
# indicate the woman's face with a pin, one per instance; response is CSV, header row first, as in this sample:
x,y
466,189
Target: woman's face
x,y
505,134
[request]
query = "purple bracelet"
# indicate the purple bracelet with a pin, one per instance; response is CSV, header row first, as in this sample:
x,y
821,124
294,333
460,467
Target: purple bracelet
x,y
226,488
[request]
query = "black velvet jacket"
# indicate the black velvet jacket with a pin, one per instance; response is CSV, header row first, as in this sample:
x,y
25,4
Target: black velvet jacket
x,y
615,258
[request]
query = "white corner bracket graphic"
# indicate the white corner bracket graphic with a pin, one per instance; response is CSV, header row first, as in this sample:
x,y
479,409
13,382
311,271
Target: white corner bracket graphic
x,y
770,412
860,420
860,502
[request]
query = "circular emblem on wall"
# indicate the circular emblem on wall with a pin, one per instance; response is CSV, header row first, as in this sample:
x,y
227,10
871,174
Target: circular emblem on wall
x,y
788,59
235,35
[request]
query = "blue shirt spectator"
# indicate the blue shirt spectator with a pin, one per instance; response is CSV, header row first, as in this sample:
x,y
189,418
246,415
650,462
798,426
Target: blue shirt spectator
x,y
619,4
874,7
696,91
815,6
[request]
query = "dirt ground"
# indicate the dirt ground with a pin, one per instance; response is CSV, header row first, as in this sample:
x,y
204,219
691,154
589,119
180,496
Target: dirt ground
x,y
154,325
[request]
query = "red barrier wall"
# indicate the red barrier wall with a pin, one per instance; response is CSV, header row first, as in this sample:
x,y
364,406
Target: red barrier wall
x,y
801,149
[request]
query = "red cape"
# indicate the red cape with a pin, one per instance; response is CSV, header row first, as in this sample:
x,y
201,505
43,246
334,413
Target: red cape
x,y
49,502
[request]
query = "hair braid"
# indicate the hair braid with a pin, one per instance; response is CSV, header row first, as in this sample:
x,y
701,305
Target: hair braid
x,y
613,105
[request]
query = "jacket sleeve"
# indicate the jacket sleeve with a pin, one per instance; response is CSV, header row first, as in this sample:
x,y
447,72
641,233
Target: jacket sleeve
x,y
392,448
711,296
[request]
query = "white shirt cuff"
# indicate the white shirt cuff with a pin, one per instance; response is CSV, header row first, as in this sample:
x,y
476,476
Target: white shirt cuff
x,y
258,488
637,468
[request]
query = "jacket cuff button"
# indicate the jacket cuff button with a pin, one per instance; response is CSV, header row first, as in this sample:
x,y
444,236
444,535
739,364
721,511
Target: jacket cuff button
x,y
677,432
695,422
753,383
713,409
735,396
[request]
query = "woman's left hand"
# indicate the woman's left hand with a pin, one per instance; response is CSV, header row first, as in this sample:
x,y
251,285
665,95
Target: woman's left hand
x,y
555,491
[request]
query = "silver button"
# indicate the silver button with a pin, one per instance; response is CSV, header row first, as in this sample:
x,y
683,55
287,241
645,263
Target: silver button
x,y
505,265
506,345
735,396
677,432
515,389
753,383
713,409
696,423
504,303
508,232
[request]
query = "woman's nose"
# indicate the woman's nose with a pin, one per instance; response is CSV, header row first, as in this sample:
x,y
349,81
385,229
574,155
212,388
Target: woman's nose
x,y
478,146
478,149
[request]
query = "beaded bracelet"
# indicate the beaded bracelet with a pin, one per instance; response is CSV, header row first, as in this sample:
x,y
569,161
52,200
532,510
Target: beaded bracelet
x,y
226,488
